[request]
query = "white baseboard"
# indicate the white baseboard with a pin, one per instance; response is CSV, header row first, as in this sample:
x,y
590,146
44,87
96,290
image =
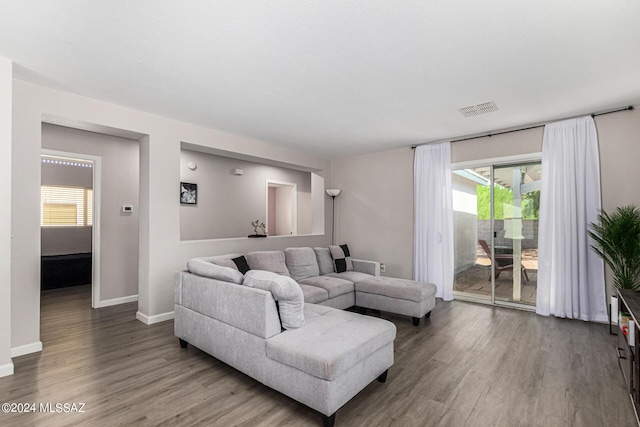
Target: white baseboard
x,y
150,320
116,301
6,370
34,347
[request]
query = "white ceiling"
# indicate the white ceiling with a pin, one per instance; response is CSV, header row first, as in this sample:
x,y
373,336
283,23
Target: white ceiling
x,y
334,77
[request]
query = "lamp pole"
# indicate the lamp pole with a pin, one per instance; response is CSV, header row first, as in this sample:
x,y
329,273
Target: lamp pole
x,y
333,219
333,192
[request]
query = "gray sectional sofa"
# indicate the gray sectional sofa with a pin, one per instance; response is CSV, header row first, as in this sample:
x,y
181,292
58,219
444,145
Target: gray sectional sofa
x,y
283,324
362,286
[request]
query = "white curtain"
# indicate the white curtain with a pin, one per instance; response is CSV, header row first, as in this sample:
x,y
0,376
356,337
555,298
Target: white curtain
x,y
433,218
571,275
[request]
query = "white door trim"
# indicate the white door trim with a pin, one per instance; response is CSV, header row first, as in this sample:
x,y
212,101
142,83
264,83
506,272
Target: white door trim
x,y
95,228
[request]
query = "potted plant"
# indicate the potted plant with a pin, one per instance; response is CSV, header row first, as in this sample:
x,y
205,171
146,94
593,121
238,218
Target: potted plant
x,y
617,240
257,224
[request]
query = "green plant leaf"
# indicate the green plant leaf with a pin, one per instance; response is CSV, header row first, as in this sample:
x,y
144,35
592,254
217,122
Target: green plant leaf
x,y
616,239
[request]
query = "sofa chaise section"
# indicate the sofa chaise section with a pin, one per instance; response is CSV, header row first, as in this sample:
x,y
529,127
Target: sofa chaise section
x,y
322,364
399,296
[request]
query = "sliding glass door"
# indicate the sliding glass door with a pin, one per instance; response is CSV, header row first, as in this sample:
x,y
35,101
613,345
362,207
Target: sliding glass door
x,y
496,211
471,226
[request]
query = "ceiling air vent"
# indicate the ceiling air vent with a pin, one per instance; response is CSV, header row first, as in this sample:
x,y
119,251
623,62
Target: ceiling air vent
x,y
474,110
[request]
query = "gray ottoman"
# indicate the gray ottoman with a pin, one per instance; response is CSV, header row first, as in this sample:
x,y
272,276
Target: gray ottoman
x,y
399,296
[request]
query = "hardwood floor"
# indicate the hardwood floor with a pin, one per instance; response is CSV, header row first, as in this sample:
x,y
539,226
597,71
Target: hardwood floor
x,y
468,365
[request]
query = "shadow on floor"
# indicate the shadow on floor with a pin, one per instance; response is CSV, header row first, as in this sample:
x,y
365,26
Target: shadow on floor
x,y
475,282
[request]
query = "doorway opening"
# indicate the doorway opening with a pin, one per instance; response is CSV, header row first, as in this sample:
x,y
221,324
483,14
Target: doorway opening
x,y
496,214
70,221
282,208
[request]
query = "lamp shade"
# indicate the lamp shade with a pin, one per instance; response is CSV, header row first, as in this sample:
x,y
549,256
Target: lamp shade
x,y
333,192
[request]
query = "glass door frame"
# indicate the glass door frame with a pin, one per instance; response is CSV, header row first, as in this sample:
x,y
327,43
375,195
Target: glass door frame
x,y
492,164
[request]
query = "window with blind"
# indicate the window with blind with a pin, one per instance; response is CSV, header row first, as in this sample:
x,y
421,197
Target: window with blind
x,y
66,206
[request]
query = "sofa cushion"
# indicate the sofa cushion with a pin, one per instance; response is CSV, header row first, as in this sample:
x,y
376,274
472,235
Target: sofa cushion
x,y
223,260
352,276
331,343
241,264
397,288
341,258
325,262
313,294
207,269
284,290
301,263
333,285
268,261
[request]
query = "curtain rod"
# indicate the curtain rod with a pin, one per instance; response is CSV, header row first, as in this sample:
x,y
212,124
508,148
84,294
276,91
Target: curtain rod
x,y
629,108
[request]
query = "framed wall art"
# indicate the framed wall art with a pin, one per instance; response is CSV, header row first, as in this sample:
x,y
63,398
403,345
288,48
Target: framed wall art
x,y
188,193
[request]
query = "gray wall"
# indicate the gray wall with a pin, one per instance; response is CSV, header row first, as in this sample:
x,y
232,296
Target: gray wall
x,y
66,175
271,206
65,240
120,180
374,212
6,100
619,138
228,203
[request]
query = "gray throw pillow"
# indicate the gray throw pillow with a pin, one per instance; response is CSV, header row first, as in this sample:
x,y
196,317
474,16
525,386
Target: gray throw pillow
x,y
301,263
285,290
269,261
325,262
204,268
341,258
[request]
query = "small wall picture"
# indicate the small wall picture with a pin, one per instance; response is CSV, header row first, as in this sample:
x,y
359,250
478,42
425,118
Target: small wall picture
x,y
188,193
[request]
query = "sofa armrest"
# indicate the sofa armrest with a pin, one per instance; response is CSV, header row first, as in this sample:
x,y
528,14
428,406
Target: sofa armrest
x,y
368,267
249,309
177,288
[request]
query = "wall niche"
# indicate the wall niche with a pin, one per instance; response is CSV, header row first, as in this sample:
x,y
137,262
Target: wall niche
x,y
233,192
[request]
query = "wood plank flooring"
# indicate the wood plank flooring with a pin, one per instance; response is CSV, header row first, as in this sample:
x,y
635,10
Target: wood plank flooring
x,y
469,365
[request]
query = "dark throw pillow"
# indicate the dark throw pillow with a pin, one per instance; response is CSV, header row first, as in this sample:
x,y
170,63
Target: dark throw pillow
x,y
341,258
241,263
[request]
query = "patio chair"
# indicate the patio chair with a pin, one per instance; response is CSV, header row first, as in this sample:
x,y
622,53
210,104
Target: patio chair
x,y
504,262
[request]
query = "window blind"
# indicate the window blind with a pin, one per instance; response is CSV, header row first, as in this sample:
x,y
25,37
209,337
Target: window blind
x,y
66,206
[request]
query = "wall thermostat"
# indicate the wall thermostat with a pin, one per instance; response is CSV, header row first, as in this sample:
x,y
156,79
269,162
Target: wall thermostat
x,y
127,208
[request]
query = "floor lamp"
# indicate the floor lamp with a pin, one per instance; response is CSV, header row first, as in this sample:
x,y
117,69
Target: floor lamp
x,y
333,192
